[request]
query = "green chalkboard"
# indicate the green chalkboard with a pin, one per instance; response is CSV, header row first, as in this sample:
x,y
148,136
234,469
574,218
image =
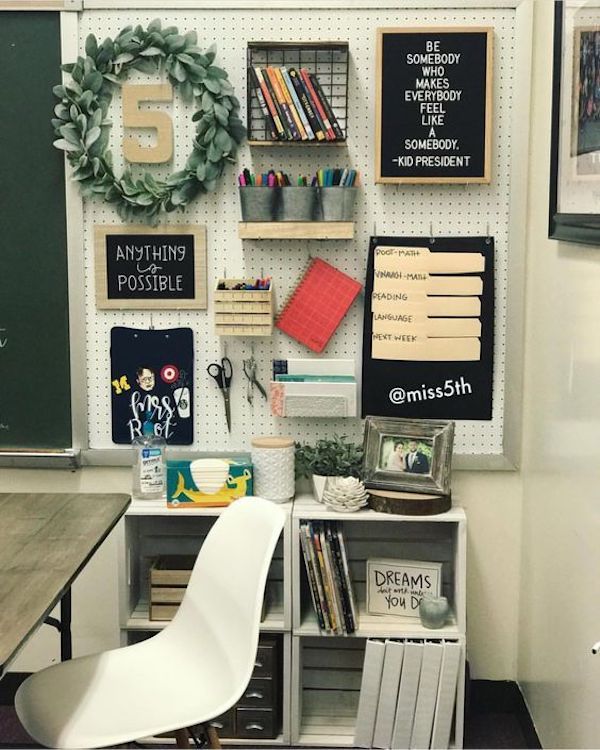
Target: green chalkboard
x,y
35,403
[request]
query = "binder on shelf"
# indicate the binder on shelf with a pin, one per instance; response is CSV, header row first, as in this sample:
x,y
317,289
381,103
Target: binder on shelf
x,y
299,108
342,544
318,304
311,573
369,693
326,104
273,102
342,577
290,125
316,103
330,588
290,103
316,527
264,107
388,694
426,695
407,693
306,104
446,695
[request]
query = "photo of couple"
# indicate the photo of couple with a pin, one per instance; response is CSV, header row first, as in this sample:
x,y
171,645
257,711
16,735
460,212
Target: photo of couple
x,y
408,455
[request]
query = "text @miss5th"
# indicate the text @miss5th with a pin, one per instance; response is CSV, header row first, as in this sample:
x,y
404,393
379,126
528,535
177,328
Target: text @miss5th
x,y
449,389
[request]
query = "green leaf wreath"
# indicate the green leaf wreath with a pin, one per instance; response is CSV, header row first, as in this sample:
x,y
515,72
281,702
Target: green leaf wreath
x,y
83,130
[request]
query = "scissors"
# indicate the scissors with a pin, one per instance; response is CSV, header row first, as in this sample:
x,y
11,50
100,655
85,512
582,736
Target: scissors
x,y
249,367
222,374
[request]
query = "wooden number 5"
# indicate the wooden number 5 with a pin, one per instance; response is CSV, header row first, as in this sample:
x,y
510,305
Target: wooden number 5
x,y
133,94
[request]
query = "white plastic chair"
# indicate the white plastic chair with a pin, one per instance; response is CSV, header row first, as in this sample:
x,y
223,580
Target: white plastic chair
x,y
187,674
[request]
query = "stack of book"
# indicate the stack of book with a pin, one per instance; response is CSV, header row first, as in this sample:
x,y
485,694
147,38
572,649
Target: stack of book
x,y
407,694
294,105
329,579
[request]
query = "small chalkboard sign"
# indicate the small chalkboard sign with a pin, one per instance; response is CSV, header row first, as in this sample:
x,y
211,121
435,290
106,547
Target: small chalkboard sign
x,y
434,105
141,267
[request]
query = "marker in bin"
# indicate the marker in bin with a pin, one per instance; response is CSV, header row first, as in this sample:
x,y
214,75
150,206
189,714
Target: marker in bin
x,y
262,285
323,178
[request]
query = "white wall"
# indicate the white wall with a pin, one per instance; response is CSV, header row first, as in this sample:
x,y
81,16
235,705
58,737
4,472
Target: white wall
x,y
492,500
560,570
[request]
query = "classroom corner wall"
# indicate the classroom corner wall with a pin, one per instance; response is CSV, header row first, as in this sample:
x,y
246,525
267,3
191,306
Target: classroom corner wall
x,y
559,603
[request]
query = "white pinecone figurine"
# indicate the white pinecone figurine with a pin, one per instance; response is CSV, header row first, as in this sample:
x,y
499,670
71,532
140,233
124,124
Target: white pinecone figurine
x,y
345,494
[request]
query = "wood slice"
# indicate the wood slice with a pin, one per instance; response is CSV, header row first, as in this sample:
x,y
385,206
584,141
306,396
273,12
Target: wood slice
x,y
408,503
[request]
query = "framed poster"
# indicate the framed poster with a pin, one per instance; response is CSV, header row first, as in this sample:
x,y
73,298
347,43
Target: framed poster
x,y
574,201
150,268
396,587
434,105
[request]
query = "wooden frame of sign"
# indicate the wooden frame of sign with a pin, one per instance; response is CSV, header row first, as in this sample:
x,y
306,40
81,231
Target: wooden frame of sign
x,y
422,135
161,268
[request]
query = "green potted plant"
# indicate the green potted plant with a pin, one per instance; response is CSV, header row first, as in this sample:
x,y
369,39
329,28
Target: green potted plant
x,y
335,457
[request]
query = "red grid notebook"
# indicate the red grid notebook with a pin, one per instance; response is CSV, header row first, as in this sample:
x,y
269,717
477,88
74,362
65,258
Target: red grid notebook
x,y
316,307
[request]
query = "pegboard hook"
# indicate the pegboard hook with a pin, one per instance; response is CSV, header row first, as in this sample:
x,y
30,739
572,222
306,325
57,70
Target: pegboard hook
x,y
151,323
488,239
431,237
224,347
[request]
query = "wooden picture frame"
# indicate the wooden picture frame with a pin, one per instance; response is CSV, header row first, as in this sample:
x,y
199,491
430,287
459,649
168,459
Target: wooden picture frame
x,y
193,292
428,134
389,461
574,205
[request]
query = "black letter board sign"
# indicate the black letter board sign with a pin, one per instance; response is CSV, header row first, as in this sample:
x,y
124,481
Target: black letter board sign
x,y
428,340
434,105
139,267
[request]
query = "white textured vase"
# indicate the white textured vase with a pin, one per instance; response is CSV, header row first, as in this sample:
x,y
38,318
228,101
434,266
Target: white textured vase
x,y
319,482
273,460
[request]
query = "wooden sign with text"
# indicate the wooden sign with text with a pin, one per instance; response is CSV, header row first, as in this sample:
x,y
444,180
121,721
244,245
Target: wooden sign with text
x,y
150,268
434,105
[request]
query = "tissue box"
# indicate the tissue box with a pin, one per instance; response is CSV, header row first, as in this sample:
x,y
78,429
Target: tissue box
x,y
208,482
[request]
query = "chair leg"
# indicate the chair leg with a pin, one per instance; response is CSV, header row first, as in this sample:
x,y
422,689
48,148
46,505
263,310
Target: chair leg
x,y
182,738
212,736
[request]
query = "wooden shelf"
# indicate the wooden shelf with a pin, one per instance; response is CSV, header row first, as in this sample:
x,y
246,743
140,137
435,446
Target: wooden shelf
x,y
374,626
296,230
140,620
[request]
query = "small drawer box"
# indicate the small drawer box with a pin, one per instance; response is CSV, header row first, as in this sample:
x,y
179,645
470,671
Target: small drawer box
x,y
258,694
169,577
266,659
225,723
243,312
254,723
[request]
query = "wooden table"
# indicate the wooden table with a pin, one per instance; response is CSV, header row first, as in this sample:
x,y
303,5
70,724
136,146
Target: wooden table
x,y
45,541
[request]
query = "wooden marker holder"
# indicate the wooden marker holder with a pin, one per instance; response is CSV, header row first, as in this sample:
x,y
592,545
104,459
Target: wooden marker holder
x,y
243,312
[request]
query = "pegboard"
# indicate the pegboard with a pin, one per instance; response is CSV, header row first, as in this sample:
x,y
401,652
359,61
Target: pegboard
x,y
381,209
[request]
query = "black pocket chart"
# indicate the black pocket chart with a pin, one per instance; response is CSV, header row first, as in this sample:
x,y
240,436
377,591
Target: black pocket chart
x,y
151,371
428,337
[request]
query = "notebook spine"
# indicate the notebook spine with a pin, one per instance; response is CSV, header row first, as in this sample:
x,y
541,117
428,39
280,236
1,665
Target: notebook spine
x,y
294,291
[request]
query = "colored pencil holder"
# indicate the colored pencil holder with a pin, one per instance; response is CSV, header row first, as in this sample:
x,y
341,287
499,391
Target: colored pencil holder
x,y
297,204
258,203
336,203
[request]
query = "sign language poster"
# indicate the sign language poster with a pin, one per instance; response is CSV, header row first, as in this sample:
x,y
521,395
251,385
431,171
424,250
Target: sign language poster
x,y
152,371
434,102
